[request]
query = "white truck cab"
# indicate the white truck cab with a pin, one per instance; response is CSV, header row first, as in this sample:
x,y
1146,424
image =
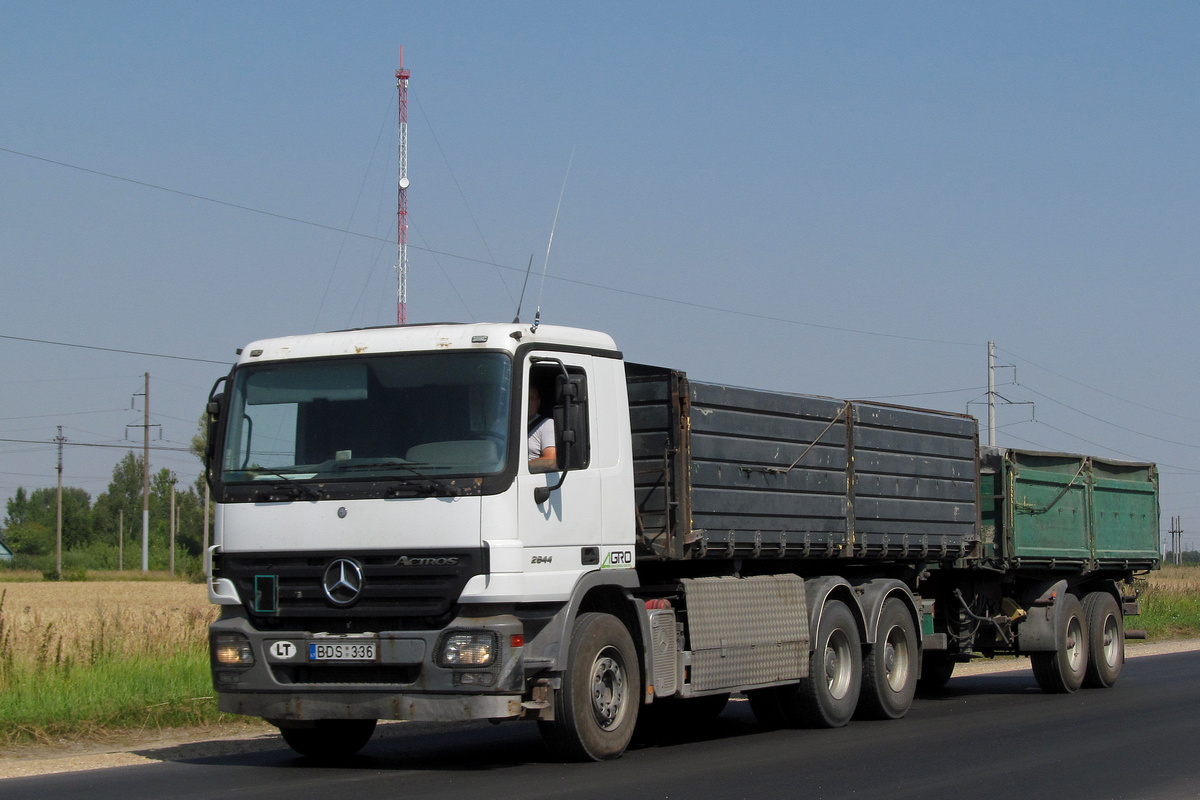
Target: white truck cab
x,y
382,548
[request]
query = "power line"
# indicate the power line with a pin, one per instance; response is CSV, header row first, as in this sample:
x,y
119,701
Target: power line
x,y
111,349
1098,391
573,281
923,394
1113,424
98,444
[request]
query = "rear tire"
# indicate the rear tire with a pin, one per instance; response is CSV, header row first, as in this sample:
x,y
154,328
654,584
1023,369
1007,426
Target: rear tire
x,y
330,739
828,696
597,707
889,678
1062,671
1106,640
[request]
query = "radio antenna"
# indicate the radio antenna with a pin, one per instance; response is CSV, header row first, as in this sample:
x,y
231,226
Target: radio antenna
x,y
537,317
521,302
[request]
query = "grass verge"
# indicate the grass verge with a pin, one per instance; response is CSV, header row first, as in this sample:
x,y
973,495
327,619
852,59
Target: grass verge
x,y
79,660
1170,604
88,701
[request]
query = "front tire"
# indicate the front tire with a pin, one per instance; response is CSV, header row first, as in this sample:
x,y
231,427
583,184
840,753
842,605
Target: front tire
x,y
828,696
890,665
1106,640
596,709
1062,670
330,739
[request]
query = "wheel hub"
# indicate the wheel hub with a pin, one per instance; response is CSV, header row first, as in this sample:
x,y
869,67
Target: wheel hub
x,y
608,691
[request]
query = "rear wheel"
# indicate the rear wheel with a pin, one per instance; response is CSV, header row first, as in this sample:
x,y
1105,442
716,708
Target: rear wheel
x,y
330,738
1106,640
890,665
1062,670
828,696
596,708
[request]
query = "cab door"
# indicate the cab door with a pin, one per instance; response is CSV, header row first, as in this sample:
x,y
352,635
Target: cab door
x,y
555,530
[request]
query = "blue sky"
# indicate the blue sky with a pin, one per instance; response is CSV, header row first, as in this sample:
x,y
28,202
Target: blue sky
x,y
834,198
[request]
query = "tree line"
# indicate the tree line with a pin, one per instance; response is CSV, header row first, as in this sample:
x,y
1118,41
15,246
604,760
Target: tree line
x,y
91,528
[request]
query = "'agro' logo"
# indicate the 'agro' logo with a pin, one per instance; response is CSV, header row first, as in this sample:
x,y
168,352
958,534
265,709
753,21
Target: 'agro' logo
x,y
618,558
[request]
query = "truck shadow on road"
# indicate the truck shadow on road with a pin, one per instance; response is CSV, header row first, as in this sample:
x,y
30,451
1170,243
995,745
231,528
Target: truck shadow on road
x,y
476,746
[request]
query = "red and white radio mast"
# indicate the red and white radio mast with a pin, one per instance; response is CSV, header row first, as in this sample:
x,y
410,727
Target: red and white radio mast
x,y
402,197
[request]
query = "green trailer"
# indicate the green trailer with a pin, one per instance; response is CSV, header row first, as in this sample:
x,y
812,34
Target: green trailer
x,y
1061,539
1067,513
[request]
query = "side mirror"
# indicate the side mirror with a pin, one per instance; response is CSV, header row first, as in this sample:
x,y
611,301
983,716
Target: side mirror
x,y
215,409
570,420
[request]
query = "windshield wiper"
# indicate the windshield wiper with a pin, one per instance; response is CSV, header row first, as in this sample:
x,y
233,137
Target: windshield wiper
x,y
428,483
291,487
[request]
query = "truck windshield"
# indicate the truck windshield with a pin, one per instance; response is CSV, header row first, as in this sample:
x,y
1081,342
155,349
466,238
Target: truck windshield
x,y
405,416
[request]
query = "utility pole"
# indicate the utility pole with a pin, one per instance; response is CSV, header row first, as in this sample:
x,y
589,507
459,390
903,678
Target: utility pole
x,y
991,394
146,480
1176,540
172,527
121,539
145,426
58,524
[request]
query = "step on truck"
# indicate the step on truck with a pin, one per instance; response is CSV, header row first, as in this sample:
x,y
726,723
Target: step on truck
x,y
384,547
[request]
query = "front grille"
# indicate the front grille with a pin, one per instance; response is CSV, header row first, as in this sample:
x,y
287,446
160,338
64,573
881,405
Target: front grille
x,y
393,586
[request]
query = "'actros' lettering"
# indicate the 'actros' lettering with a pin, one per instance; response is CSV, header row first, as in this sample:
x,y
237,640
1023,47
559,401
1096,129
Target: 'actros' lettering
x,y
428,561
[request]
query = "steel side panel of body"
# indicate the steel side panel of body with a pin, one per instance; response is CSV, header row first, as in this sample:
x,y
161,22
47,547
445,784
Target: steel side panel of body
x,y
769,474
1076,508
1125,510
331,525
1050,514
746,631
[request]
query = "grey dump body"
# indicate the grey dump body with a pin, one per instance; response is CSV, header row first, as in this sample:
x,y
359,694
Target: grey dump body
x,y
724,473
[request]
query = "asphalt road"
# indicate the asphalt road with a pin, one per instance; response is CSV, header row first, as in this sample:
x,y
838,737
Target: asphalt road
x,y
987,736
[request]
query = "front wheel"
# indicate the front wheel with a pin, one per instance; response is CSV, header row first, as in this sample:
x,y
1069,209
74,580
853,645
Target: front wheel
x,y
1106,640
1062,671
596,709
890,665
828,696
330,739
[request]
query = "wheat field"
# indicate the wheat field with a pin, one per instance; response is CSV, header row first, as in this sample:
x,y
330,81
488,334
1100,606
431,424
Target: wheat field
x,y
77,659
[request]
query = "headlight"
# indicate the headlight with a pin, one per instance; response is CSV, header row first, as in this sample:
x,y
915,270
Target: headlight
x,y
232,650
468,650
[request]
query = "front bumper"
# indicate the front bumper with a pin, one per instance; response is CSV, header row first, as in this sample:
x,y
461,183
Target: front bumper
x,y
403,681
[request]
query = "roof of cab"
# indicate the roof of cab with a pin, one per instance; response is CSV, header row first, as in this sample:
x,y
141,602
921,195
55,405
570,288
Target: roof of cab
x,y
416,338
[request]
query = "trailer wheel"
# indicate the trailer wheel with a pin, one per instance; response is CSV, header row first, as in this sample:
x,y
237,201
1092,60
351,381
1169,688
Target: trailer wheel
x,y
596,709
937,667
828,696
330,739
1106,640
1062,670
890,665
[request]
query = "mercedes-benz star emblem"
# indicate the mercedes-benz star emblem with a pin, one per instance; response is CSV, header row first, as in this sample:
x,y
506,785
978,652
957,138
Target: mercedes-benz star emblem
x,y
343,581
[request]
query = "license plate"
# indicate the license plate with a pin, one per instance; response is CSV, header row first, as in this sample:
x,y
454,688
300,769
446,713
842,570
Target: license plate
x,y
363,651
